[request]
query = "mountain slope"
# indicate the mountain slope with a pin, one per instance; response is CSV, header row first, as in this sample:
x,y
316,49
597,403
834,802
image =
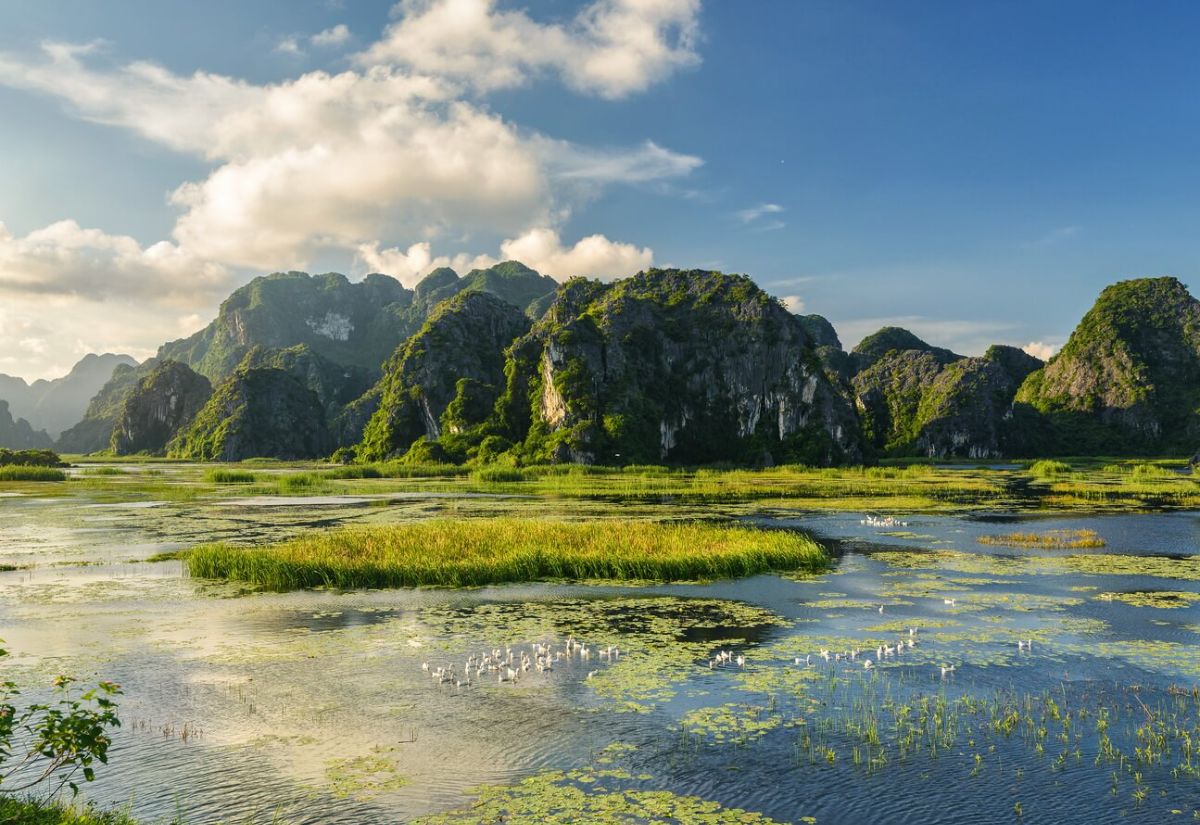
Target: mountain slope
x,y
1127,380
159,406
349,324
256,412
682,366
57,404
18,435
447,377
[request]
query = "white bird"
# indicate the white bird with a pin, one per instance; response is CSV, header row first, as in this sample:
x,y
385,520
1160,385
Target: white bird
x,y
948,601
867,664
946,670
880,608
741,661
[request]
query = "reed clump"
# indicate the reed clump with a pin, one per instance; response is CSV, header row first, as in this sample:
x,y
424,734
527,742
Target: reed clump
x,y
19,472
1049,540
491,551
224,475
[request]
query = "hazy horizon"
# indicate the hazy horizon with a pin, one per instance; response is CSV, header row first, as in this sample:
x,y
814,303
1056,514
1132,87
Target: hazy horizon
x,y
976,174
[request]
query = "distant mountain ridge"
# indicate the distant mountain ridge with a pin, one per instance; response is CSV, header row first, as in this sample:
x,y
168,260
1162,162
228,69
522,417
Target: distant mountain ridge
x,y
330,333
677,366
54,405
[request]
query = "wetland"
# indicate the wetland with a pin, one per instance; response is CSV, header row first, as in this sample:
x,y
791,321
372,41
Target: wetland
x,y
1050,675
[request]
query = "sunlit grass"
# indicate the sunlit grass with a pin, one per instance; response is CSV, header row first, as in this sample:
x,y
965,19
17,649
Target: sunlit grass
x,y
224,475
16,472
486,551
1049,540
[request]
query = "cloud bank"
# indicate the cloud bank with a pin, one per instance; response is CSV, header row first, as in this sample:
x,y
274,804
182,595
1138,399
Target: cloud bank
x,y
383,163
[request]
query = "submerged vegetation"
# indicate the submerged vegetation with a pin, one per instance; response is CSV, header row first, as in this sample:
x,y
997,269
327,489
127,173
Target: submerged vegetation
x,y
487,551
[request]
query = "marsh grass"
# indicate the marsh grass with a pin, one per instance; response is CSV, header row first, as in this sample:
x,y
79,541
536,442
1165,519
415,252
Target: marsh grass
x,y
489,551
1047,468
224,475
36,812
310,482
17,472
1049,540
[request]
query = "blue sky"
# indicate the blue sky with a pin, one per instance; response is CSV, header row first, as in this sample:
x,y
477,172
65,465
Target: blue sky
x,y
976,172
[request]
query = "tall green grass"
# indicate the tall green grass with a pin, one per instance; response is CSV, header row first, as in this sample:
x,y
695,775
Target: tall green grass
x,y
1047,468
489,551
16,472
224,475
36,812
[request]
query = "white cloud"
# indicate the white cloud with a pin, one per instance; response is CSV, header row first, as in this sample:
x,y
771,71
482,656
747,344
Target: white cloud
x,y
611,48
541,249
289,45
73,325
67,259
794,303
382,162
753,213
334,161
336,36
1040,349
594,256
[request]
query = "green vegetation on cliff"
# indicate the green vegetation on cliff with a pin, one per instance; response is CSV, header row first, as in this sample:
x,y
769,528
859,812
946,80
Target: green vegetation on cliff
x,y
684,366
158,407
256,412
445,380
1126,382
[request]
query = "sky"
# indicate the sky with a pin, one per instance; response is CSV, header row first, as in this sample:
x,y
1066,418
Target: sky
x,y
976,172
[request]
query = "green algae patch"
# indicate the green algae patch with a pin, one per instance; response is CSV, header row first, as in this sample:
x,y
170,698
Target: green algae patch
x,y
1161,599
734,722
364,777
595,796
463,553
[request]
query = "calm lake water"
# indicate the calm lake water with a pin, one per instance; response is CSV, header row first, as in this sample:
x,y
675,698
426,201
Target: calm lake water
x,y
314,705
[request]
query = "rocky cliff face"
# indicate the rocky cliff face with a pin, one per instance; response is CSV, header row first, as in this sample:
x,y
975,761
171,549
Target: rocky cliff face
x,y
672,365
349,324
921,402
1128,379
19,435
895,339
335,385
446,378
510,281
159,406
256,413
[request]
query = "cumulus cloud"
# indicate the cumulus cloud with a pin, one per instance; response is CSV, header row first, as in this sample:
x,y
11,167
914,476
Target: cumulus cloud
x,y
542,249
594,256
1040,349
70,326
611,48
383,162
289,45
336,36
794,303
339,160
67,259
